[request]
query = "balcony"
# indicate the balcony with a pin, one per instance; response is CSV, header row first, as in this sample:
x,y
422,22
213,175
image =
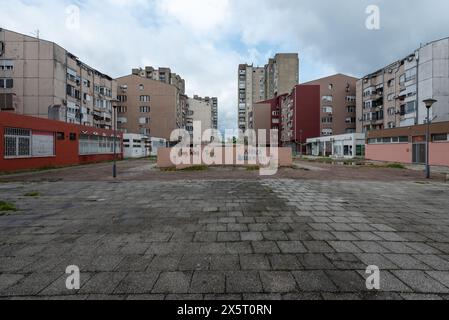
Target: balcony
x,y
8,102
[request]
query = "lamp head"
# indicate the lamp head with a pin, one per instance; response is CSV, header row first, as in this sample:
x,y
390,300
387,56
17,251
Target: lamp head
x,y
429,103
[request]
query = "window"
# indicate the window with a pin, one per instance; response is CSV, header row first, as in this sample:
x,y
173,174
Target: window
x,y
144,120
86,83
122,98
17,143
122,120
6,83
440,137
72,136
91,144
328,109
6,65
60,136
145,131
331,86
350,120
23,143
327,132
390,97
144,98
145,109
327,98
351,98
350,109
391,111
410,75
326,120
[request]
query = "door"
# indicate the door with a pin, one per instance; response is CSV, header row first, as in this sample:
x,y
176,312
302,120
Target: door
x,y
419,153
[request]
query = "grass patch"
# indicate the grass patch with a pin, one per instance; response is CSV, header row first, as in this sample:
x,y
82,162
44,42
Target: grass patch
x,y
395,166
7,206
252,168
32,194
389,166
189,169
195,168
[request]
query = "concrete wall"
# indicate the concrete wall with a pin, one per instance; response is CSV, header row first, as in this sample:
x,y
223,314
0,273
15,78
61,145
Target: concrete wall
x,y
433,78
228,154
402,153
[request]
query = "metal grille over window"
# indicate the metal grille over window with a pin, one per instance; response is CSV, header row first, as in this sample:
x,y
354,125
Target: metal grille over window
x,y
17,143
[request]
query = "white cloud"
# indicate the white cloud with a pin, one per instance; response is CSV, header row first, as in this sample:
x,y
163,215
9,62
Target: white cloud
x,y
205,40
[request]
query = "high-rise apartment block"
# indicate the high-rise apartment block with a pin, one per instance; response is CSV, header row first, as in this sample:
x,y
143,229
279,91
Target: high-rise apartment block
x,y
393,96
256,84
213,102
199,110
338,104
41,79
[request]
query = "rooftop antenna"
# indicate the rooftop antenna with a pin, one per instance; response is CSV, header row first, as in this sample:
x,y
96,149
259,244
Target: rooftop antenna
x,y
36,33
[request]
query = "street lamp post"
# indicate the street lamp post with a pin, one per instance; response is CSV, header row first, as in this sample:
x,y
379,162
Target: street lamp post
x,y
114,167
428,103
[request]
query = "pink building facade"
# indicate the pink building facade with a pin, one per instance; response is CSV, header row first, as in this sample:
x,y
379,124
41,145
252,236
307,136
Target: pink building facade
x,y
408,145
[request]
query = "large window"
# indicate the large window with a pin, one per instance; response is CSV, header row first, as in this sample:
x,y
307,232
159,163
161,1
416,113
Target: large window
x,y
6,65
144,98
440,137
90,144
145,109
24,143
6,83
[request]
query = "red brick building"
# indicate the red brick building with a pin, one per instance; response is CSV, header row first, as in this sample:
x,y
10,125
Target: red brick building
x,y
295,115
33,143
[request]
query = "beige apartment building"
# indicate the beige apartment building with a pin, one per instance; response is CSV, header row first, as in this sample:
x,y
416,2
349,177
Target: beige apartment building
x,y
256,84
41,79
213,101
200,111
165,75
393,96
147,107
338,104
281,74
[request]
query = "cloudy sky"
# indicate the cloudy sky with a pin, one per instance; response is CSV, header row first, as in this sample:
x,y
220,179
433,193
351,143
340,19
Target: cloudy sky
x,y
205,40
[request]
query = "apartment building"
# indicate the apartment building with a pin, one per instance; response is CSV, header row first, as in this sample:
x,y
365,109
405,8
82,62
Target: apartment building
x,y
199,110
338,104
300,116
392,96
296,116
41,79
213,101
281,74
147,107
165,75
256,84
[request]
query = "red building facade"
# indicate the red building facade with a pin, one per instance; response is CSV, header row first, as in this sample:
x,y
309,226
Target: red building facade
x,y
33,143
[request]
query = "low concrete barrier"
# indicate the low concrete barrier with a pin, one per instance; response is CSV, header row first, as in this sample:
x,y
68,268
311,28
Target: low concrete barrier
x,y
226,156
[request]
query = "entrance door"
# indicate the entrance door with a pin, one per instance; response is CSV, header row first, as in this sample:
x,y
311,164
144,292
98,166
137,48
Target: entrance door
x,y
419,153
